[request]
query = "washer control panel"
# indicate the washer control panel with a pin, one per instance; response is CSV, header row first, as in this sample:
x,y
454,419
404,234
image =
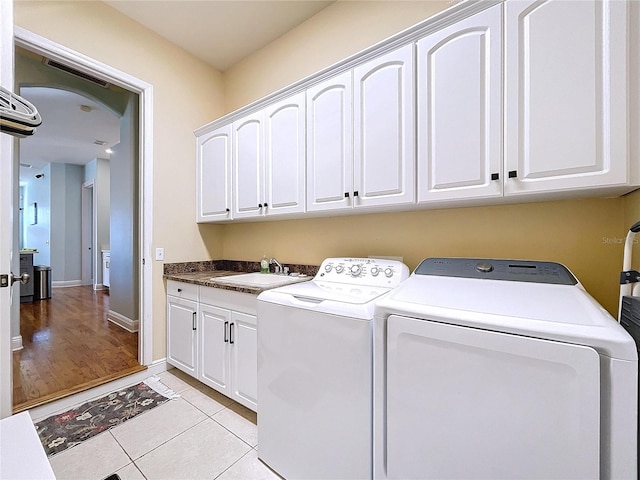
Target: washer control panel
x,y
363,271
509,270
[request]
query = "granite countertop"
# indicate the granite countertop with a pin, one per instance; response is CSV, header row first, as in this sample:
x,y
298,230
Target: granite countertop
x,y
204,273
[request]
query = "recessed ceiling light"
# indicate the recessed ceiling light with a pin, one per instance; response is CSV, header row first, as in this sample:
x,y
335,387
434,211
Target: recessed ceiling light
x,y
108,150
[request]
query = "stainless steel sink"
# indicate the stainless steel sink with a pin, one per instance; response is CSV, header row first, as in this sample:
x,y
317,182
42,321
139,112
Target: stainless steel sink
x,y
260,280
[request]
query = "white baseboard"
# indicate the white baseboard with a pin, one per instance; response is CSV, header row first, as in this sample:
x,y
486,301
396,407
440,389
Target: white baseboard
x,y
124,322
66,283
16,343
99,286
67,403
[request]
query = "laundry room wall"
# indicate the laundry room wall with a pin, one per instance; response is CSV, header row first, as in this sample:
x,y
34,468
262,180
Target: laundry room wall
x,y
574,232
333,34
187,93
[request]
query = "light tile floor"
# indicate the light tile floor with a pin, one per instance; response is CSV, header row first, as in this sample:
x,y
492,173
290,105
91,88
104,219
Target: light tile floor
x,y
201,435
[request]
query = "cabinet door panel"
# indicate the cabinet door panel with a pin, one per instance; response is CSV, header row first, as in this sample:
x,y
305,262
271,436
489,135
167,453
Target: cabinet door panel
x,y
285,156
384,152
214,363
459,109
566,94
245,359
181,335
247,166
329,144
214,176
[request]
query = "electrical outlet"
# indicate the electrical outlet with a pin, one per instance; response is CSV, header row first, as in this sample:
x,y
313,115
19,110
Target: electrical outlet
x,y
159,253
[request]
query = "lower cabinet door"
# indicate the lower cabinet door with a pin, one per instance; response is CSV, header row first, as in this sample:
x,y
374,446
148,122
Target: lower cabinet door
x,y
244,359
215,327
182,334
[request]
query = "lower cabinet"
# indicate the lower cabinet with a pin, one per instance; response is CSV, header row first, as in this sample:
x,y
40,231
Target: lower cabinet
x,y
229,353
209,339
244,359
182,333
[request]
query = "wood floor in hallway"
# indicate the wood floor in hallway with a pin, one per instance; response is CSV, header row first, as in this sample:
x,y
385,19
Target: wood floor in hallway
x,y
69,346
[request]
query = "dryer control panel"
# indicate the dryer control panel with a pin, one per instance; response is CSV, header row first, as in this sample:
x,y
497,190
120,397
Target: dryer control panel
x,y
508,270
363,271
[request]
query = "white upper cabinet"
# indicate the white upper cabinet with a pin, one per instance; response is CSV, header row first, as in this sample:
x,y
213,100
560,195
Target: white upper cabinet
x,y
459,95
285,140
330,144
248,164
268,160
566,95
384,130
490,99
213,178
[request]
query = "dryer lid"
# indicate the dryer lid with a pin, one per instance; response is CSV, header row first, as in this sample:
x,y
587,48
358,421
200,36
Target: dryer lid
x,y
541,310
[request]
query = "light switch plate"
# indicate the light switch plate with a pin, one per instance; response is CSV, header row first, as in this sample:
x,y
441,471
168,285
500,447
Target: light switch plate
x,y
159,253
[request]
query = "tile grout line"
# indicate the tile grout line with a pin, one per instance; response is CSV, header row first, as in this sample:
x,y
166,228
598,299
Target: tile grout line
x,y
167,441
233,433
238,460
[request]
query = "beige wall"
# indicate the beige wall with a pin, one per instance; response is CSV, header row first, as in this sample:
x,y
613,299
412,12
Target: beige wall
x,y
580,234
187,94
335,33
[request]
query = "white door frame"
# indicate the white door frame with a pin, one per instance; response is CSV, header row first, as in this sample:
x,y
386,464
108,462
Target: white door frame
x,y
6,215
35,43
88,257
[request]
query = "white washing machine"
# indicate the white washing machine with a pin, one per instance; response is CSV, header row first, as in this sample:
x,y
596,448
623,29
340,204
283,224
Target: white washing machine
x,y
315,369
501,369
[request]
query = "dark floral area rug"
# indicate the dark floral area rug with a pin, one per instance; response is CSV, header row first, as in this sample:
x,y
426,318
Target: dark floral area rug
x,y
65,430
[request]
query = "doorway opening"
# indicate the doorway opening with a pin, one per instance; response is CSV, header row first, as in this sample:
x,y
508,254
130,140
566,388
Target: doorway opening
x,y
80,295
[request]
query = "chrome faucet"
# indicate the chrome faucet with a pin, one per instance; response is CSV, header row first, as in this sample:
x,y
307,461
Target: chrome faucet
x,y
279,268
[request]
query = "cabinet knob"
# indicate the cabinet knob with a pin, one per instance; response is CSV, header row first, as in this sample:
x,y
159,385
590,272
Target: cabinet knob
x,y
355,194
179,290
259,205
513,174
495,176
227,210
266,204
346,194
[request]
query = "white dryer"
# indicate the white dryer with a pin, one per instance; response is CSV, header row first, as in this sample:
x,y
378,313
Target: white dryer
x,y
315,370
501,369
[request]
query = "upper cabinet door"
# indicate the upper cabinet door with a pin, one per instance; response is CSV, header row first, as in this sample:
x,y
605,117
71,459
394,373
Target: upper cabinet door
x,y
213,176
460,109
330,144
248,153
285,141
383,130
566,95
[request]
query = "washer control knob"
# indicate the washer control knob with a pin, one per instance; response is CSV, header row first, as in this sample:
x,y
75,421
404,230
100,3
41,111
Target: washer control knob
x,y
356,270
388,272
375,271
484,267
340,268
328,267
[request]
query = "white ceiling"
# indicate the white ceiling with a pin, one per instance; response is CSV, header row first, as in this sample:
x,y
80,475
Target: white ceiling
x,y
68,133
221,33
